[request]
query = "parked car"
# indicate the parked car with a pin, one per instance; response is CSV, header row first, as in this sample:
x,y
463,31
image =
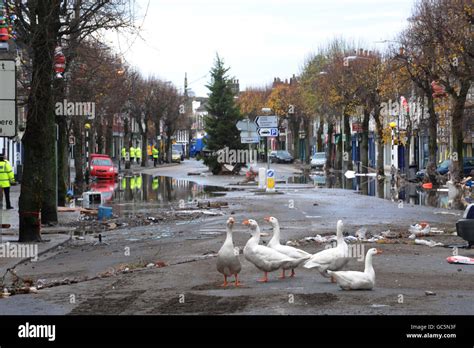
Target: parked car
x,y
318,160
443,168
102,167
281,156
176,156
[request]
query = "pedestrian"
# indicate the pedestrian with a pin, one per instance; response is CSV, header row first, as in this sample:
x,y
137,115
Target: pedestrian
x,y
155,154
132,154
7,178
148,151
138,154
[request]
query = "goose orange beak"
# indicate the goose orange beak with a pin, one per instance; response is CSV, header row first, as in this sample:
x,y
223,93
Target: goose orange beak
x,y
379,251
267,218
246,223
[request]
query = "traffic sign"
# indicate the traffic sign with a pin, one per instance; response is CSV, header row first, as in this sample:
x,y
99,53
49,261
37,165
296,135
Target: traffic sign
x,y
8,110
250,140
267,121
268,132
246,126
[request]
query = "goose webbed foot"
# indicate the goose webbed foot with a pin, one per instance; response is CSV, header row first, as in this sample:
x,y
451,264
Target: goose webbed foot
x,y
237,282
264,279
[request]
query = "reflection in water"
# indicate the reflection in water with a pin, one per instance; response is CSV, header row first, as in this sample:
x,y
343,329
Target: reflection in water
x,y
400,191
144,188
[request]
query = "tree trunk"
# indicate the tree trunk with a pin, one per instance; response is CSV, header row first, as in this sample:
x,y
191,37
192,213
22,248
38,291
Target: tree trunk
x,y
168,148
78,157
145,148
330,145
127,139
319,140
109,140
307,128
348,142
380,148
63,147
432,131
364,151
458,131
39,138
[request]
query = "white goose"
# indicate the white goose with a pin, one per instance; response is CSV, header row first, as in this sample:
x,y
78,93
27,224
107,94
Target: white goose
x,y
227,259
332,259
351,280
263,257
285,249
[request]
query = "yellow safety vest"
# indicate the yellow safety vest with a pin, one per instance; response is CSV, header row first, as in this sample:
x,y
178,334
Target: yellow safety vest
x,y
132,152
155,152
155,184
6,174
138,152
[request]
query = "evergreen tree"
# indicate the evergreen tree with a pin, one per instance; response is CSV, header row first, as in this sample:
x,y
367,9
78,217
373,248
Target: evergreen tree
x,y
223,115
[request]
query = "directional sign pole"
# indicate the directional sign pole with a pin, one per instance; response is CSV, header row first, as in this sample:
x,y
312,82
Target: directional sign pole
x,y
268,153
250,145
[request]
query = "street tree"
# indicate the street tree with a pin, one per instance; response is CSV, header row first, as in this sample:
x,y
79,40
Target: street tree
x,y
223,115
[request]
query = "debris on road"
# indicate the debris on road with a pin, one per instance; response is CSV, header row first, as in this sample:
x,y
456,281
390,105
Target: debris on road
x,y
430,243
361,233
430,293
209,205
390,234
464,260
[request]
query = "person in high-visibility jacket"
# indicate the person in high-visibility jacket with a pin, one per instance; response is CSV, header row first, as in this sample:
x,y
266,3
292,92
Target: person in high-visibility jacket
x,y
155,154
7,178
132,154
138,154
148,152
155,183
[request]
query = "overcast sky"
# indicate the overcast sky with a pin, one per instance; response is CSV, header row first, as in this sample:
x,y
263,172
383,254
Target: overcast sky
x,y
258,39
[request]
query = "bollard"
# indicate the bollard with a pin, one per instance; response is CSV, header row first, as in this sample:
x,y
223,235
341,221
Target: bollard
x,y
262,177
270,180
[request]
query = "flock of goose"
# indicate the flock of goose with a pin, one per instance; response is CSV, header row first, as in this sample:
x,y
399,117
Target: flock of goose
x,y
275,256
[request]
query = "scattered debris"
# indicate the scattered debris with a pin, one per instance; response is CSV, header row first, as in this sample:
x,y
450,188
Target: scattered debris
x,y
375,238
419,230
5,293
447,213
209,204
150,265
317,239
361,233
351,239
390,234
460,260
430,293
430,243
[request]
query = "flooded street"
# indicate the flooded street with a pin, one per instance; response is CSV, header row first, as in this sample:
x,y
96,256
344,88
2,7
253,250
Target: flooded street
x,y
168,226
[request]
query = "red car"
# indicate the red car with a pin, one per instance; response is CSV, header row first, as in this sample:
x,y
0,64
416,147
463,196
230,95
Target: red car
x,y
102,167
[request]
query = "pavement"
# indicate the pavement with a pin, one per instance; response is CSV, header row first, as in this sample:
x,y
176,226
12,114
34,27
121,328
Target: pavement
x,y
187,281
